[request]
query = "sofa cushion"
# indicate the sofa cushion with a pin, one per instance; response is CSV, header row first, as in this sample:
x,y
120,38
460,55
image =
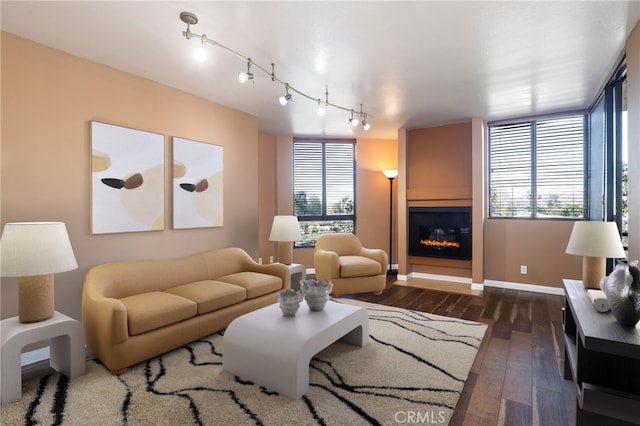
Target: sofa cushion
x,y
255,283
210,295
148,311
358,266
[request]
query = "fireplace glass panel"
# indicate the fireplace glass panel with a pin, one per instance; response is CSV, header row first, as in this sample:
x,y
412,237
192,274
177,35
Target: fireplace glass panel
x,y
442,232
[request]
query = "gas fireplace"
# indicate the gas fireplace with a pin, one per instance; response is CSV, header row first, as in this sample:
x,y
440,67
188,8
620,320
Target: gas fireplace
x,y
443,232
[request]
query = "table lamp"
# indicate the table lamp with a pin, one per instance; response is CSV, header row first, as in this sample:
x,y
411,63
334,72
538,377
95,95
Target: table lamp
x,y
285,230
595,241
33,252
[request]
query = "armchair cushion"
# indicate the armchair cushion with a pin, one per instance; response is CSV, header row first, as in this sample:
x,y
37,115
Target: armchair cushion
x,y
358,266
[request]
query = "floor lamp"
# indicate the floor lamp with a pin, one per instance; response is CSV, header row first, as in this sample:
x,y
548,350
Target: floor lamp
x,y
391,174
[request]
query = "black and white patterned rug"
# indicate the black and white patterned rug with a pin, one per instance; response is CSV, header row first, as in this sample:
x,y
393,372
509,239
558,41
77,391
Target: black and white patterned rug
x,y
413,368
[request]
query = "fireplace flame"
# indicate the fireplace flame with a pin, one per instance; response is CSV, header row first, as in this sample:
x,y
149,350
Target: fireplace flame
x,y
436,243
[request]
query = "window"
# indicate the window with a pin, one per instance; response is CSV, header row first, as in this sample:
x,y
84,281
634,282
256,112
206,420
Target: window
x,y
536,168
608,165
323,187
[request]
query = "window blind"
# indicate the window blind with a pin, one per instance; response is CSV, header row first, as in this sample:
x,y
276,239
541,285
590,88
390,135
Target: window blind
x,y
324,187
537,168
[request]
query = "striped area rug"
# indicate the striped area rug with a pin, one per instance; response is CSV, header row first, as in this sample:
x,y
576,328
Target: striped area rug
x,y
412,370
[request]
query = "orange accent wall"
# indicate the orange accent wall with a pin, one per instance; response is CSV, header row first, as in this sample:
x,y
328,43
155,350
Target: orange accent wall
x,y
48,100
439,164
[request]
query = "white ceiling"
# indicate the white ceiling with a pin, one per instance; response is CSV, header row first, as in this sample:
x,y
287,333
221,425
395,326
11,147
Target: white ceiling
x,y
410,64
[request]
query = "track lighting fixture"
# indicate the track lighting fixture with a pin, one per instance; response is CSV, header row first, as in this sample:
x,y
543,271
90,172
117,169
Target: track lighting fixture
x,y
246,76
285,99
191,19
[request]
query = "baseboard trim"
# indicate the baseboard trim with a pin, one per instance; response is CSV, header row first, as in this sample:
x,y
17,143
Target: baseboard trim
x,y
435,277
534,288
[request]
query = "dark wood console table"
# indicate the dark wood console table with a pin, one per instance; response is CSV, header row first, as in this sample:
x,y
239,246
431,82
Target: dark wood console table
x,y
602,358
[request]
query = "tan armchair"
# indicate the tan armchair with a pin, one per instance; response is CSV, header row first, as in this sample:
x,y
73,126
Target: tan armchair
x,y
352,268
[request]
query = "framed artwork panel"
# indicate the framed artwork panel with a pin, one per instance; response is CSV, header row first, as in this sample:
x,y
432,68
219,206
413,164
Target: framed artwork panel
x,y
197,184
127,179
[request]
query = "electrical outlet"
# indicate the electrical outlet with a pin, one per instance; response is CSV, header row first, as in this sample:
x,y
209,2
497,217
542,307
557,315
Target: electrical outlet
x,y
270,259
523,269
260,260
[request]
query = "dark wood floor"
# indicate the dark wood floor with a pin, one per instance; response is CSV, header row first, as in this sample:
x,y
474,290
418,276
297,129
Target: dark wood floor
x,y
516,378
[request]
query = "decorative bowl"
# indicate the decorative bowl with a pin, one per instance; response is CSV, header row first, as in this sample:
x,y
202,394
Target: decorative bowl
x,y
316,293
289,301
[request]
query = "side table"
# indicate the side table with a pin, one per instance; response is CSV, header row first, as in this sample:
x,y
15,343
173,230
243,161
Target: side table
x,y
602,358
67,353
298,272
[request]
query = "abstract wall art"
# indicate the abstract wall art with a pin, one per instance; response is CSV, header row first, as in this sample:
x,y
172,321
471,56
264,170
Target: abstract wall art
x,y
197,184
127,185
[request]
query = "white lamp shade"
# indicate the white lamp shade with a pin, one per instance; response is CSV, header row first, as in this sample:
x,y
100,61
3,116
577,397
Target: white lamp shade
x,y
35,248
285,228
595,239
390,173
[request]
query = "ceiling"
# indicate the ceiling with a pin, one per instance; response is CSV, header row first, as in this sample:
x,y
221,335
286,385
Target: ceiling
x,y
410,64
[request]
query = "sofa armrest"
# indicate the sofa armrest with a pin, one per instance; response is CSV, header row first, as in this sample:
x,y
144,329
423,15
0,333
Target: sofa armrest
x,y
104,318
326,264
378,255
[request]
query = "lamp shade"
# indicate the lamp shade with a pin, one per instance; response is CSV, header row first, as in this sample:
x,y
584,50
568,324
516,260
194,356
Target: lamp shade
x,y
390,173
595,239
35,248
285,228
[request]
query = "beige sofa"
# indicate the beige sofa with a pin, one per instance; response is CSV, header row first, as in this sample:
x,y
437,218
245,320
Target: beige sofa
x,y
135,310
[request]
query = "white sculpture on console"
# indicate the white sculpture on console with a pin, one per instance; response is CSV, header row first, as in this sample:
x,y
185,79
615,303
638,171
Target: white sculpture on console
x,y
622,288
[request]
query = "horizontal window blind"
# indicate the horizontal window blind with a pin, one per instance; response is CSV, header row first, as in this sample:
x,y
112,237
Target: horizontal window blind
x,y
324,188
510,176
536,168
560,167
307,178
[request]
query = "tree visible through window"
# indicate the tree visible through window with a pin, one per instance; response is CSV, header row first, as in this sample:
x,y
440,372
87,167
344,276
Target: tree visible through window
x,y
536,168
323,187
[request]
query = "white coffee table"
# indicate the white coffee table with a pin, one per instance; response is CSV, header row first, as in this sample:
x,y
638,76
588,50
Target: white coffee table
x,y
274,351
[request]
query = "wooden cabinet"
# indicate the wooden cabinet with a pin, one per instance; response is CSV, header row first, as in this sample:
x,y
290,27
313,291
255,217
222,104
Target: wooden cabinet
x,y
602,358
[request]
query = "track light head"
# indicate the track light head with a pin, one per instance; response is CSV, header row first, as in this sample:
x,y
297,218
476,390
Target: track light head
x,y
320,111
285,99
243,77
366,125
200,54
353,121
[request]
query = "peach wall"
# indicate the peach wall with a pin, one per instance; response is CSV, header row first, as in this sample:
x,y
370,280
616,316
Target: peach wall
x,y
267,204
439,163
48,101
539,244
